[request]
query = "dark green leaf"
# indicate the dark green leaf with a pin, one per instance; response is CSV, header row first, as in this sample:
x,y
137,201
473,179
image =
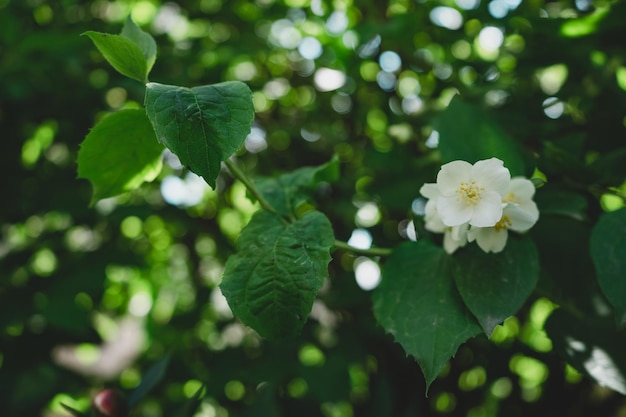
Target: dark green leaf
x,y
192,405
466,132
592,346
119,154
272,281
287,191
132,53
152,377
495,286
417,303
608,251
554,200
202,125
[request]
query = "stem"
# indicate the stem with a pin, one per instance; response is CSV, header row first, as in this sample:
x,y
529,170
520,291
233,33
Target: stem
x,y
368,252
239,174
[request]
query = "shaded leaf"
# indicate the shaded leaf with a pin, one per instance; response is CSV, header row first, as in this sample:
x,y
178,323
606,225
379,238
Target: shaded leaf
x,y
287,191
119,154
608,251
552,199
417,303
202,125
272,281
466,132
149,380
592,346
495,286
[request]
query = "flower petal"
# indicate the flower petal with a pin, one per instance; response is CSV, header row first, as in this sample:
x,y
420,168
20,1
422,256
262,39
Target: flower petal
x,y
450,244
452,175
520,189
492,175
489,239
454,212
432,221
487,211
522,219
430,190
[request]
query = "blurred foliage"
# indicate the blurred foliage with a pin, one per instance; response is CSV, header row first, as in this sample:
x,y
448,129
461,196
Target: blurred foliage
x,y
92,297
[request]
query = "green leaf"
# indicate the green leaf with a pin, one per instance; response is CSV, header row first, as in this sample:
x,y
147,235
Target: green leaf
x,y
132,53
466,132
608,251
272,281
150,379
119,154
495,286
143,40
287,191
417,303
202,125
592,346
556,200
73,411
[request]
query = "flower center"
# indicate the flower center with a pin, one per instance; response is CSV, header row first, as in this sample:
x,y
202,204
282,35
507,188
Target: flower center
x,y
503,224
470,192
510,198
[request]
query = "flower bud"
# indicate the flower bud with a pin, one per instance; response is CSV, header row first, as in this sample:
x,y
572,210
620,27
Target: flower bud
x,y
110,403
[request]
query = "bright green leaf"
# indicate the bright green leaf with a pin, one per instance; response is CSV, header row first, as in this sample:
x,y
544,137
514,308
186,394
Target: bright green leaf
x,y
592,346
272,281
466,132
202,125
287,191
132,53
608,251
495,286
143,40
119,154
417,303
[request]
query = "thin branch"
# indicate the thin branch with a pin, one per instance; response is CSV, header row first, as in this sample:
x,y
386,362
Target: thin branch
x,y
241,176
368,252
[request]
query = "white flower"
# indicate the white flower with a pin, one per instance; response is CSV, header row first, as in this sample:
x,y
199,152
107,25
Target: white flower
x,y
454,237
471,194
520,213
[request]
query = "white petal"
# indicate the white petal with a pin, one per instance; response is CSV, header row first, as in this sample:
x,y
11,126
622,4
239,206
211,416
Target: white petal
x,y
520,189
450,244
452,175
432,221
430,190
488,211
521,219
491,240
453,212
492,175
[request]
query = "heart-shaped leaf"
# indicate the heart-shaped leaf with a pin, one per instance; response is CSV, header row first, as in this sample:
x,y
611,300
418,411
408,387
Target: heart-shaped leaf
x,y
494,286
119,154
202,125
272,281
417,303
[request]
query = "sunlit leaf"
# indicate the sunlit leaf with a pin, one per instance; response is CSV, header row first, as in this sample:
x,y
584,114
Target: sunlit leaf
x,y
287,191
592,346
417,303
608,251
202,125
119,154
272,281
466,132
495,286
132,53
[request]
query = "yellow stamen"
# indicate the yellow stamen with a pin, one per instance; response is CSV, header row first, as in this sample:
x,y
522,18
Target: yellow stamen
x,y
503,224
470,193
510,198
